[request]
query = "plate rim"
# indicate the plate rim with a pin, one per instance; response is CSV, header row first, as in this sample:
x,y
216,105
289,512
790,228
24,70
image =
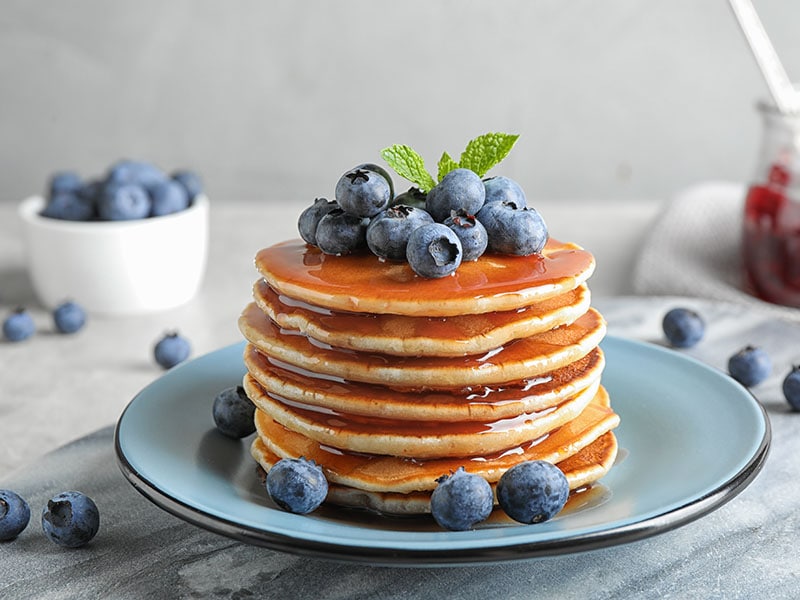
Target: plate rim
x,y
389,555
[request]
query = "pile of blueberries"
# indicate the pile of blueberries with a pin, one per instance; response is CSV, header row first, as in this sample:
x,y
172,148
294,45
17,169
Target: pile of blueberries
x,y
129,190
458,220
750,366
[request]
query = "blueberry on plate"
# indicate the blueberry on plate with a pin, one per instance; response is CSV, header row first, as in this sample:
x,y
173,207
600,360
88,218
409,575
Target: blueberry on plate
x,y
683,327
297,485
65,182
70,519
167,197
513,230
14,515
363,192
461,500
433,250
171,349
18,325
69,206
388,232
340,233
190,181
503,189
532,491
309,219
69,317
233,412
413,196
791,388
750,366
123,202
459,189
472,234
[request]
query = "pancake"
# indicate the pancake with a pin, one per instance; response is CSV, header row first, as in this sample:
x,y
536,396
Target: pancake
x,y
364,283
420,336
465,404
416,439
519,359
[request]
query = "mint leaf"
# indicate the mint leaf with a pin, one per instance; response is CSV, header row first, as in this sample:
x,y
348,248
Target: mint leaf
x,y
446,164
409,165
486,151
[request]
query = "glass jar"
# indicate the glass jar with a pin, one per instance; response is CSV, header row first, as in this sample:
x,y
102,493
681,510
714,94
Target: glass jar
x,y
771,232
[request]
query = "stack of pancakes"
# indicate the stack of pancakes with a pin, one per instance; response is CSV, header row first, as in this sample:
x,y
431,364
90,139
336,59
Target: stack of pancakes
x,y
389,381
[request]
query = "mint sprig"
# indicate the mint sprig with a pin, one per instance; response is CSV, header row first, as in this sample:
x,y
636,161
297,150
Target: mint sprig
x,y
480,155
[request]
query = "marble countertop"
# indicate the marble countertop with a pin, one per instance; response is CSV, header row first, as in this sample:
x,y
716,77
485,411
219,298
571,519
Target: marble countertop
x,y
70,390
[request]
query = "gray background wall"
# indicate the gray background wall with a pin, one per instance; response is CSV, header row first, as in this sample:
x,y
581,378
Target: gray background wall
x,y
272,100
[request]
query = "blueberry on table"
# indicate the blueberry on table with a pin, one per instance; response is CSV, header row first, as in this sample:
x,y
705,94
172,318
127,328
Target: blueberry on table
x,y
309,219
388,232
459,189
683,327
791,388
363,193
190,181
471,232
233,412
513,230
14,515
434,250
297,485
69,317
69,206
168,197
171,349
123,202
18,325
503,189
341,233
461,500
750,366
70,519
532,491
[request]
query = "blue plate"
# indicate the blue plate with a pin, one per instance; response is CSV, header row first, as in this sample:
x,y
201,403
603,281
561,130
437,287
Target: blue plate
x,y
677,462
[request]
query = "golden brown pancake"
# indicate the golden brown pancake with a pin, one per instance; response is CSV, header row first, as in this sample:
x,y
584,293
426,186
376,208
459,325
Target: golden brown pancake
x,y
365,283
520,359
420,336
464,404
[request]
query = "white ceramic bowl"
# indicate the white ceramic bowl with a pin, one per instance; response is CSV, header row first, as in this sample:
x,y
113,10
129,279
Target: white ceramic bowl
x,y
117,267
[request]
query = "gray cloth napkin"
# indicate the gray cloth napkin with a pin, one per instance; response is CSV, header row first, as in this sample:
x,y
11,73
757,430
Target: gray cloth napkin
x,y
693,249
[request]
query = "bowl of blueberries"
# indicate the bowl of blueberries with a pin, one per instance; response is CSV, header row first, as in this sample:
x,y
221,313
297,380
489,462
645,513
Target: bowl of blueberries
x,y
132,241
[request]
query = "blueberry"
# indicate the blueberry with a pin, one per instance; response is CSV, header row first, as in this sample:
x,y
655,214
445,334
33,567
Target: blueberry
x,y
380,171
459,189
14,515
791,388
472,234
341,233
683,327
18,325
310,217
233,412
413,196
362,193
70,519
135,172
750,366
167,197
434,250
503,189
388,233
461,500
123,202
91,191
65,182
171,350
532,491
190,181
297,485
69,206
513,230
69,317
